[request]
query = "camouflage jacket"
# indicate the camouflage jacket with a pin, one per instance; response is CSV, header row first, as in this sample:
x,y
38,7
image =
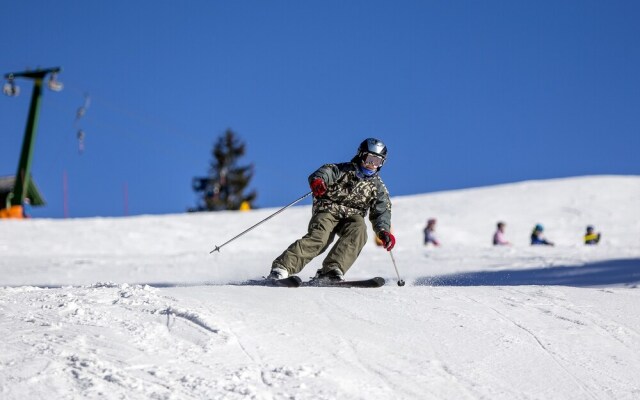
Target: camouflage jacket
x,y
349,193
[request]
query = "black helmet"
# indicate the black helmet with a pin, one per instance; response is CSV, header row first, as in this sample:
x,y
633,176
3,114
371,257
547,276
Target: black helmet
x,y
372,146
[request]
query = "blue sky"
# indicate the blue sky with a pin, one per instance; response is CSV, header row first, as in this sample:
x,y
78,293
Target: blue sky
x,y
464,94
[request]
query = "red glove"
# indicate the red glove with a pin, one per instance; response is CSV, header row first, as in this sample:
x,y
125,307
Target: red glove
x,y
318,187
388,240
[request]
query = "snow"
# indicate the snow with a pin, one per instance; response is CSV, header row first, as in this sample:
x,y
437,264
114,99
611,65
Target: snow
x,y
137,308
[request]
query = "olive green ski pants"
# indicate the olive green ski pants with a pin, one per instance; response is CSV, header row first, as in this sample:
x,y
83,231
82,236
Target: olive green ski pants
x,y
323,228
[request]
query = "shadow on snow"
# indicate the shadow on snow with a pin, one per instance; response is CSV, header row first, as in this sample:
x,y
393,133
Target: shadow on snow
x,y
603,273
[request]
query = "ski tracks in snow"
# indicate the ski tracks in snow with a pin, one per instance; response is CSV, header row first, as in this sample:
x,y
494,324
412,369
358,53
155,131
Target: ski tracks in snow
x,y
261,346
113,341
354,351
543,312
580,384
131,341
367,357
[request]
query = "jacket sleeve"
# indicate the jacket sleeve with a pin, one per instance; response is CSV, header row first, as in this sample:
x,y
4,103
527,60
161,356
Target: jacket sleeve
x,y
380,212
329,173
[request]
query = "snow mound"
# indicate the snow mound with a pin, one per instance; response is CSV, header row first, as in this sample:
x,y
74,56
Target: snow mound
x,y
137,308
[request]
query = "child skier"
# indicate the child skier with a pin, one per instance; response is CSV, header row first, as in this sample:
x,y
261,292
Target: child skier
x,y
591,237
537,238
498,237
430,233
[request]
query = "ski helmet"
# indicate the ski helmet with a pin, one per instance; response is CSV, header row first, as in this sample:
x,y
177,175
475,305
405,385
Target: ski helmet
x,y
372,146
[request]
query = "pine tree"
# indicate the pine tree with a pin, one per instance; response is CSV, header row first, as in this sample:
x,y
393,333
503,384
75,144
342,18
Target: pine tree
x,y
224,188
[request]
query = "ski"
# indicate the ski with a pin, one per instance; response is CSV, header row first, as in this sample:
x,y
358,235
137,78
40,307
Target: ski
x,y
365,283
290,282
295,281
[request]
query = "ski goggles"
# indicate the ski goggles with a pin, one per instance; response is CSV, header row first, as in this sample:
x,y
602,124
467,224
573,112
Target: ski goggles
x,y
372,160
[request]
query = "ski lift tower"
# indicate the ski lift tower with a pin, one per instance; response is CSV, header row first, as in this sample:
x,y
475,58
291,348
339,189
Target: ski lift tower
x,y
22,183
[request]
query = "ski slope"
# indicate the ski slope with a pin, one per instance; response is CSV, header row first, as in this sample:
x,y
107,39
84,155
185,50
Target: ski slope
x,y
137,308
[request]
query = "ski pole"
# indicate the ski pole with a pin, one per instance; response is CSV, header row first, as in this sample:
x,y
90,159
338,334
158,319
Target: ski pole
x,y
264,220
400,281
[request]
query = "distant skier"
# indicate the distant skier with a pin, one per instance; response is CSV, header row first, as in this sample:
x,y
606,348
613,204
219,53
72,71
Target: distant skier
x,y
430,233
537,236
591,237
499,237
342,195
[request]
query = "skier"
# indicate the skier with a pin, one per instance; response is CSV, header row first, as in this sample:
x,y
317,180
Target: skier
x,y
430,233
343,193
498,237
591,237
537,238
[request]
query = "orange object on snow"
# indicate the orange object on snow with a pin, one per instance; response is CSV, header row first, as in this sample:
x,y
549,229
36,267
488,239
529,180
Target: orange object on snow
x,y
12,212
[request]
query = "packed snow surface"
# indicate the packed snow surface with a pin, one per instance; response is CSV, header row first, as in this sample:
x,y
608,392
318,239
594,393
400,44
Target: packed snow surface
x,y
137,308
